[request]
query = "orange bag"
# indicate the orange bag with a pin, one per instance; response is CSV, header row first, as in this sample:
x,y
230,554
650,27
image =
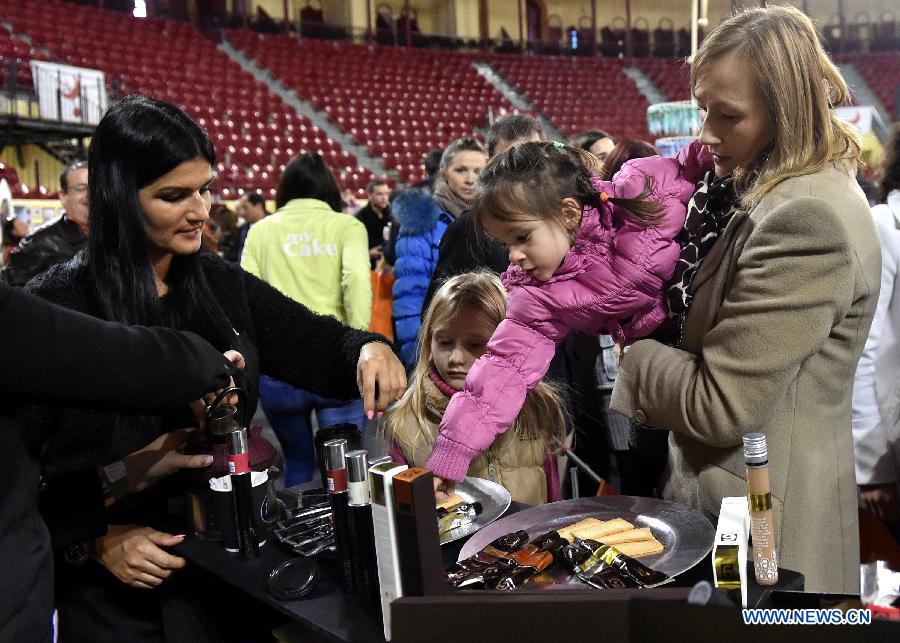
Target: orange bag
x,y
382,300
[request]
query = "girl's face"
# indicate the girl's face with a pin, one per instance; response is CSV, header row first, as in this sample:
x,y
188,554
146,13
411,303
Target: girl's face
x,y
457,343
538,246
463,170
176,206
736,123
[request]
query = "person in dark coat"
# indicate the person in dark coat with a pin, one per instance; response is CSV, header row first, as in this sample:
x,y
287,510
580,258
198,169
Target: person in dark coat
x,y
423,218
463,247
57,356
152,166
58,240
376,215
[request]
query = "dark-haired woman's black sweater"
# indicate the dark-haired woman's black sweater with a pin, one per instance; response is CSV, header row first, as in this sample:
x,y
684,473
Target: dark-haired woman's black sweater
x,y
52,355
276,335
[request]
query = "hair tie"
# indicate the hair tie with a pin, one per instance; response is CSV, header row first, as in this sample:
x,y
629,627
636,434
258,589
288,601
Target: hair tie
x,y
558,145
604,197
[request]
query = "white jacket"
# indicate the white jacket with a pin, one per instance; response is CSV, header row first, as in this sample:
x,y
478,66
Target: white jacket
x,y
876,392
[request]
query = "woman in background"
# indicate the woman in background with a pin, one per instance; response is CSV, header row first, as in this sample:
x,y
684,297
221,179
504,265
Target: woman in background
x,y
319,257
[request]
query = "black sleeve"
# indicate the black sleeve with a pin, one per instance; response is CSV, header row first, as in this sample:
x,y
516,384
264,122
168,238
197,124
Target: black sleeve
x,y
389,251
314,352
462,250
58,356
29,259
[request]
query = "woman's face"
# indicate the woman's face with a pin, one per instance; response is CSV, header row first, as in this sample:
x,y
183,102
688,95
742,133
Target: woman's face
x,y
737,126
456,344
176,206
602,148
463,170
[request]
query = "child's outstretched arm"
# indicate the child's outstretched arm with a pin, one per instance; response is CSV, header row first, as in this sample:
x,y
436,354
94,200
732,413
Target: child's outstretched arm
x,y
516,359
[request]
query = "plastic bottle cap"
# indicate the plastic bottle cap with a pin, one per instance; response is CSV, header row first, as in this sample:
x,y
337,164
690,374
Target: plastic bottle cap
x,y
755,449
334,454
357,465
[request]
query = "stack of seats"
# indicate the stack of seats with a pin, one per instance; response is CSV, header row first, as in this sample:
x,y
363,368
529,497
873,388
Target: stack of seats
x,y
672,76
254,131
580,93
13,49
881,70
400,104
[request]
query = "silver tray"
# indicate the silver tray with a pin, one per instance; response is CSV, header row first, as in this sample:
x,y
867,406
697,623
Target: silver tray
x,y
494,500
686,534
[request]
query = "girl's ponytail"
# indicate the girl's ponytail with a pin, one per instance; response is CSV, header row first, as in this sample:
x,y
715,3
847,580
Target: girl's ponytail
x,y
638,208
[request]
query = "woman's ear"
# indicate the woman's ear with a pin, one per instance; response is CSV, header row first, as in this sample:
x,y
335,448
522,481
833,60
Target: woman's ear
x,y
571,210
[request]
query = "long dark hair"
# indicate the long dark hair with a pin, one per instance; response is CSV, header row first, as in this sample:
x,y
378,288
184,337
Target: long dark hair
x,y
137,141
625,151
890,179
307,176
532,179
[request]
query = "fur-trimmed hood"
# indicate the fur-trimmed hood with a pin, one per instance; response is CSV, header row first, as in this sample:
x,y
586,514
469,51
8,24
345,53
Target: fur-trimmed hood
x,y
416,211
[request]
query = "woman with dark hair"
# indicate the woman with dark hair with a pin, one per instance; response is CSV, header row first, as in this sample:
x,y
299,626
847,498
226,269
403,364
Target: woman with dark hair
x,y
151,167
625,151
319,257
596,141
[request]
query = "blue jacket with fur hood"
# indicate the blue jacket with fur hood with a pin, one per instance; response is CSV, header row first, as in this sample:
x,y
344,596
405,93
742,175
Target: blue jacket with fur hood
x,y
422,224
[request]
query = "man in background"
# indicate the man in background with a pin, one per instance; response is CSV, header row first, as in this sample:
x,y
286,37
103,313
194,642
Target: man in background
x,y
251,207
375,216
59,240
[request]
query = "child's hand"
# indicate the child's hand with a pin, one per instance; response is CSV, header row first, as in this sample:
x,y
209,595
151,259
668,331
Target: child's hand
x,y
619,351
443,489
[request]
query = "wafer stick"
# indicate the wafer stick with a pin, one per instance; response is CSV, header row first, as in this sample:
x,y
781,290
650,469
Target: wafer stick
x,y
642,548
599,531
630,536
455,499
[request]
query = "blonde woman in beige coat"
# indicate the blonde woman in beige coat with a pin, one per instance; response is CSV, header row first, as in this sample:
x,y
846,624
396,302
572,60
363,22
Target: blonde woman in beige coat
x,y
781,303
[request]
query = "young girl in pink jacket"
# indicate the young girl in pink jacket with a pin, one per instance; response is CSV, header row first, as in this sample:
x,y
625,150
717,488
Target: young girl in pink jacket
x,y
585,254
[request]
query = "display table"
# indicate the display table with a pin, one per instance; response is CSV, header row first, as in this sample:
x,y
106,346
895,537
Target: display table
x,y
343,617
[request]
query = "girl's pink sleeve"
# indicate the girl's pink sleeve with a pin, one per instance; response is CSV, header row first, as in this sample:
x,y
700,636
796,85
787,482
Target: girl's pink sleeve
x,y
516,359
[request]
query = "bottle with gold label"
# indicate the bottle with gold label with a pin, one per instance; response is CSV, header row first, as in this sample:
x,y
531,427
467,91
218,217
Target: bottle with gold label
x,y
762,519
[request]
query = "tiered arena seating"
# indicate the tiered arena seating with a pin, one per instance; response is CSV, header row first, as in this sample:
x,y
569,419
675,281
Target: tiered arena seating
x,y
13,48
580,93
881,72
672,76
400,104
254,131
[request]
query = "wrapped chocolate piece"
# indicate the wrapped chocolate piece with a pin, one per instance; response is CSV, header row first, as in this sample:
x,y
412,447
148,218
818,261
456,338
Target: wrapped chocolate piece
x,y
532,559
470,572
608,568
458,515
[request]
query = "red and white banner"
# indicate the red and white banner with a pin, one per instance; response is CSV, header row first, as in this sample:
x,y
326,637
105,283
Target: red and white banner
x,y
69,94
858,117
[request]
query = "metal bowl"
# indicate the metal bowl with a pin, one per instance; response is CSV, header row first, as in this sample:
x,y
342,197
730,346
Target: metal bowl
x,y
494,499
686,534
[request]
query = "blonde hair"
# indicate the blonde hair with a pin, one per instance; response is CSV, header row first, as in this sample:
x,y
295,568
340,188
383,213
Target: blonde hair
x,y
801,87
543,413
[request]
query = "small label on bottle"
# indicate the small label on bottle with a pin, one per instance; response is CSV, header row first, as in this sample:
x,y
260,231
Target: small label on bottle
x,y
359,493
337,480
238,463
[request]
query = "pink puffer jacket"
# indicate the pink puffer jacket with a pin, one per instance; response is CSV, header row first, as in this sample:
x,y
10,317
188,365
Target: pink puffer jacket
x,y
611,282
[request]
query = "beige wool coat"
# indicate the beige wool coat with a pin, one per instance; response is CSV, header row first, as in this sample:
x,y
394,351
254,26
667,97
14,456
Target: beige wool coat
x,y
782,308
